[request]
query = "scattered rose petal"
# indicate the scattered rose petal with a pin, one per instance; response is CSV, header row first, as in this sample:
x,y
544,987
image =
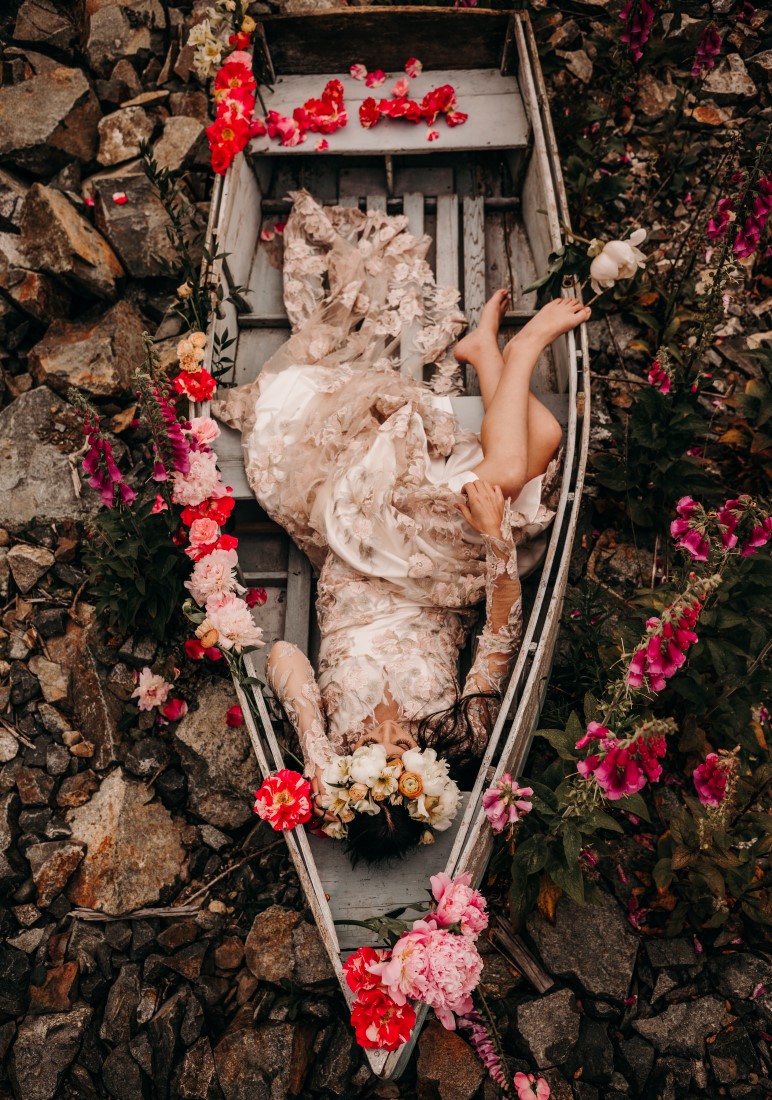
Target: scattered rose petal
x,y
174,709
758,991
631,1000
413,67
401,87
358,72
375,78
321,145
234,717
432,135
698,948
267,233
89,202
119,198
279,228
256,597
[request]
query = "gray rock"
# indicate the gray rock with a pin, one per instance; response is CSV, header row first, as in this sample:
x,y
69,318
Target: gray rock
x,y
683,1028
662,986
54,679
197,1077
59,1035
607,969
121,1075
670,952
53,863
182,145
737,975
112,35
9,748
550,1027
312,963
48,120
596,1051
28,564
655,98
760,66
218,760
14,980
60,241
333,1070
44,21
40,296
99,357
448,1063
732,1056
120,1018
120,135
137,228
729,81
134,847
264,1062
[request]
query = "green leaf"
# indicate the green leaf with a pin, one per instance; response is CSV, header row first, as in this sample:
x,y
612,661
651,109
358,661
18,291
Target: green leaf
x,y
572,842
634,804
600,820
570,880
562,742
663,874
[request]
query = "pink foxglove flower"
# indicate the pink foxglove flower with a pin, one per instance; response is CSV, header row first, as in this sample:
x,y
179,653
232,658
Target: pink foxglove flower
x,y
717,225
659,377
458,903
759,536
530,1088
638,16
151,690
707,51
231,618
505,803
481,1040
710,779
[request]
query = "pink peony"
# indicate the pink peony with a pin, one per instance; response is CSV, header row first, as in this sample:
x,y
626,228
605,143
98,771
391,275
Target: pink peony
x,y
204,430
435,966
232,619
151,690
710,780
504,803
458,903
529,1088
201,482
214,574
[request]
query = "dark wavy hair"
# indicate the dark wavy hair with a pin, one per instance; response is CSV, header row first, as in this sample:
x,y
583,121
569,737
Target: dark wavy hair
x,y
390,835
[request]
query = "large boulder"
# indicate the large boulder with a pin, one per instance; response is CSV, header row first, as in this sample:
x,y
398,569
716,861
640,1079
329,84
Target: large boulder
x,y
45,1047
448,1063
120,134
120,29
99,357
39,435
183,144
134,847
48,120
218,760
282,945
264,1062
60,241
137,228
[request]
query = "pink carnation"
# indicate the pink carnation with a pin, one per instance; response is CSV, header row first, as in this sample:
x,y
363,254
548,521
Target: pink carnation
x,y
214,574
458,903
201,482
203,531
435,966
232,619
151,690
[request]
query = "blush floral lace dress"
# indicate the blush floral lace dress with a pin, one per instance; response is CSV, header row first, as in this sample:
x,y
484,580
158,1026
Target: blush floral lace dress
x,y
363,467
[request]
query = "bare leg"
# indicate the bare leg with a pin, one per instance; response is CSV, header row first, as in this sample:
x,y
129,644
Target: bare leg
x,y
518,435
480,347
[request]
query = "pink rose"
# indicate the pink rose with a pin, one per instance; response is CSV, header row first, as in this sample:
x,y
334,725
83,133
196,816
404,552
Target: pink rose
x,y
204,430
458,903
203,531
214,574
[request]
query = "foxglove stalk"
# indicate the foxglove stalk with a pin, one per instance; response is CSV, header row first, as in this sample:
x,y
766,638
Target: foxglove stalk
x,y
707,51
480,1038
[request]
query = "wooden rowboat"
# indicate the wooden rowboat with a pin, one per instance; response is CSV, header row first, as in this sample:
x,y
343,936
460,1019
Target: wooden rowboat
x,y
491,196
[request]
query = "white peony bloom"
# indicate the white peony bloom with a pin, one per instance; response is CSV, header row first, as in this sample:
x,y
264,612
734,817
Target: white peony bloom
x,y
618,260
367,764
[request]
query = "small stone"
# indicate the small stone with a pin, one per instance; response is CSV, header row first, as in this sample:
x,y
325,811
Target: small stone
x,y
84,750
213,838
182,145
14,980
682,1028
670,952
655,98
58,1035
99,356
29,940
134,847
60,241
38,295
732,1056
54,680
229,953
312,963
446,1061
607,970
53,721
44,22
737,974
177,934
550,1027
121,133
28,564
269,947
34,786
26,915
191,103
48,120
57,761
24,686
760,66
9,746
121,1075
76,790
729,81
96,711
52,863
112,35
119,1022
665,982
577,63
54,994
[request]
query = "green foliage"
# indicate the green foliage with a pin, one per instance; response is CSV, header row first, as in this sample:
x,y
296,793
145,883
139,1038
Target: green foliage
x,y
136,572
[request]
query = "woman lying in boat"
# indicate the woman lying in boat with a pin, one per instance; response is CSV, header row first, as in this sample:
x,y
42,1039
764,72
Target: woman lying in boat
x,y
410,520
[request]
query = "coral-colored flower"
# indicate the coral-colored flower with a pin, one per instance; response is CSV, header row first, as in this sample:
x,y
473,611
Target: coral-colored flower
x,y
505,803
369,112
284,800
203,431
710,779
356,972
458,903
375,78
439,101
159,505
256,597
528,1087
174,709
358,72
379,1022
151,690
235,74
401,108
203,532
218,507
198,387
413,67
234,716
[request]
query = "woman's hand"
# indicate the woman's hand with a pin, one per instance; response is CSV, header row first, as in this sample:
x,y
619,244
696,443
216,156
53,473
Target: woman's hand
x,y
318,790
484,508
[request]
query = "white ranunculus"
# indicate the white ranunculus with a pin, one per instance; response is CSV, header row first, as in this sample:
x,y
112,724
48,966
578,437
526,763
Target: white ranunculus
x,y
367,764
618,260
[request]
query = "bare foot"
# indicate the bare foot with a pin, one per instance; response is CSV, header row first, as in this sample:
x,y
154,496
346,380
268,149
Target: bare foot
x,y
558,316
468,350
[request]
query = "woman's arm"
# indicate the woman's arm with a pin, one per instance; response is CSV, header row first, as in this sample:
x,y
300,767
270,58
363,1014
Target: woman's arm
x,y
292,681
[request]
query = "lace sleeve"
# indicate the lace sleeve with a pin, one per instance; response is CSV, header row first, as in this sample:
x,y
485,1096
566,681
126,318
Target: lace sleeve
x,y
503,630
292,681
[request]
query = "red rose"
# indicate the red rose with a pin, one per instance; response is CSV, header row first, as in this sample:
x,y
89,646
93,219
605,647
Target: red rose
x,y
198,385
216,508
369,112
256,597
235,74
174,709
222,159
240,40
379,1022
